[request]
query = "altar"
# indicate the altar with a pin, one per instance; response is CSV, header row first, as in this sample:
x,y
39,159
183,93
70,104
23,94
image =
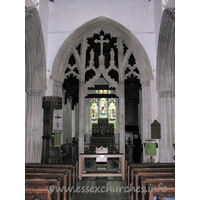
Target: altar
x,y
102,135
121,157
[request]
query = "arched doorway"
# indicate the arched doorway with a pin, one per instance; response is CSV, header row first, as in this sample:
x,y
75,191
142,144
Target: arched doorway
x,y
98,49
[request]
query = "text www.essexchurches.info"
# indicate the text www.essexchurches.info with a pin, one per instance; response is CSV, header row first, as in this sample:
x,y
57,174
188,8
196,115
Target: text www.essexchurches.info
x,y
107,188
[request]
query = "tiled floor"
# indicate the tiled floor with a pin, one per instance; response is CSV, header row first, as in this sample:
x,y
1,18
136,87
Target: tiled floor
x,y
101,188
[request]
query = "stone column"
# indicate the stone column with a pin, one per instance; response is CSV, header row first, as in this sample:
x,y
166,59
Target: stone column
x,y
167,120
146,116
81,118
34,126
140,119
140,112
74,122
121,119
121,94
81,121
57,88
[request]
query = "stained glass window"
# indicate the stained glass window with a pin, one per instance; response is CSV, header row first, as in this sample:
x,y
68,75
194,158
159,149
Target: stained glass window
x,y
100,91
93,112
103,108
112,111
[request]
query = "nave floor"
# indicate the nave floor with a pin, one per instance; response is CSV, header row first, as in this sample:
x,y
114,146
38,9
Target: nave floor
x,y
101,188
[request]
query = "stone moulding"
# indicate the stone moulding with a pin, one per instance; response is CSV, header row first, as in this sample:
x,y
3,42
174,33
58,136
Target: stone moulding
x,y
88,29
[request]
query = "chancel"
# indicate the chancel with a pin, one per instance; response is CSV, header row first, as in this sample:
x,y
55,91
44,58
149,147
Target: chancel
x,y
95,77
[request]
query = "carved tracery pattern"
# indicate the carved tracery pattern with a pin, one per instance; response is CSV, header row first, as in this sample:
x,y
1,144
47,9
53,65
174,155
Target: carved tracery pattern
x,y
131,68
72,68
100,51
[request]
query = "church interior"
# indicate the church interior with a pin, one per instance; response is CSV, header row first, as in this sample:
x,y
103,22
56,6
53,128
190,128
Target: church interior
x,y
99,99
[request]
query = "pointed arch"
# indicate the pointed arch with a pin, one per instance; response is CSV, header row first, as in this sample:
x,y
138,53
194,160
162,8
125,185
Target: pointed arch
x,y
166,53
35,58
124,36
165,84
94,26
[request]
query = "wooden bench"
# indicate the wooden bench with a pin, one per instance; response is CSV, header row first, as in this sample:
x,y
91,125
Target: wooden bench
x,y
45,175
36,183
49,170
158,191
31,194
152,170
145,165
161,197
140,170
70,168
154,181
137,174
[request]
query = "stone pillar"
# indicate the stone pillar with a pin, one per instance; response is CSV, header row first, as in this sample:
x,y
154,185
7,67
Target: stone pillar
x,y
77,121
121,119
81,118
74,122
57,88
167,120
146,114
34,126
140,112
140,119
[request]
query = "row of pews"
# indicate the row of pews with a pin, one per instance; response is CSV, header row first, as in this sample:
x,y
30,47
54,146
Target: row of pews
x,y
149,181
50,181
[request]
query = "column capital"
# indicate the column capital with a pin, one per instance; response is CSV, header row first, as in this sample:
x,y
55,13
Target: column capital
x,y
35,92
145,83
57,82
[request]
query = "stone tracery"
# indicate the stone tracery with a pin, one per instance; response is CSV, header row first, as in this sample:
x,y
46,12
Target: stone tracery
x,y
112,64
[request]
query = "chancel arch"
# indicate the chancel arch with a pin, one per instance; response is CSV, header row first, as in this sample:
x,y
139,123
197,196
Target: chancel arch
x,y
102,48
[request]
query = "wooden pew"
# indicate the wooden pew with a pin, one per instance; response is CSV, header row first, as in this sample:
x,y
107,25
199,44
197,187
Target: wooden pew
x,y
33,193
161,197
146,165
49,170
44,182
72,171
137,170
137,174
57,166
44,175
152,170
165,192
154,181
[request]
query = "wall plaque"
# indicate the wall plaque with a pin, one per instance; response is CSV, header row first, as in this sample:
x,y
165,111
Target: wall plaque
x,y
155,130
